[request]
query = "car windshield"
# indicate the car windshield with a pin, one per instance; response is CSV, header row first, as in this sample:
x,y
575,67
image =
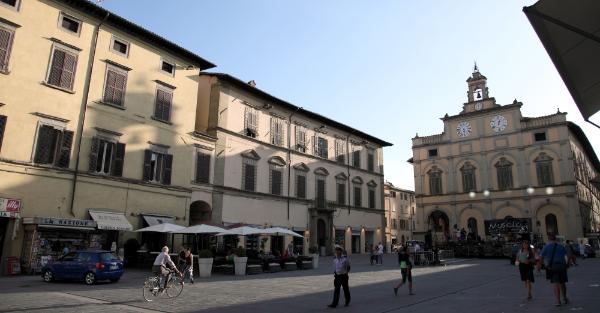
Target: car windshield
x,y
107,257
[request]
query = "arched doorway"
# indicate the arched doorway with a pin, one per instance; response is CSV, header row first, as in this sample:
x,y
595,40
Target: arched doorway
x,y
321,233
472,228
200,213
438,224
551,224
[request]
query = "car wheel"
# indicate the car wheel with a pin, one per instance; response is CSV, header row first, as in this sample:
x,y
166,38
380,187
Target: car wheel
x,y
114,280
48,276
90,278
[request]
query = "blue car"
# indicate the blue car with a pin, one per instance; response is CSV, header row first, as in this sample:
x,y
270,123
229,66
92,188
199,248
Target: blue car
x,y
89,266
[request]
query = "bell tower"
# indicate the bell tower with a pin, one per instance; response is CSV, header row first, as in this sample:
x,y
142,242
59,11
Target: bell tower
x,y
478,95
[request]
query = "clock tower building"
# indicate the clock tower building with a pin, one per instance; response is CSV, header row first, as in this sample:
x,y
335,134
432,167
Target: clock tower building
x,y
491,164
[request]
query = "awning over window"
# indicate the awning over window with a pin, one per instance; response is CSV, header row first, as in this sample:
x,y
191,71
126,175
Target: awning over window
x,y
155,219
570,32
111,220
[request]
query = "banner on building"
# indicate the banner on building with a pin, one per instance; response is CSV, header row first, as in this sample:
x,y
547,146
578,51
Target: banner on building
x,y
10,208
508,226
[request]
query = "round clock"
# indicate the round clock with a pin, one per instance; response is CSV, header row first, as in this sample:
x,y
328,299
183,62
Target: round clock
x,y
463,129
478,106
498,123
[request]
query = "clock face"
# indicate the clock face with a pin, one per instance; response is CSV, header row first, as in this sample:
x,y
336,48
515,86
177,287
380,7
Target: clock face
x,y
463,129
478,106
498,123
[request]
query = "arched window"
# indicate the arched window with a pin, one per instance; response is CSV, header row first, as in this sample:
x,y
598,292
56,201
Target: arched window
x,y
435,181
504,173
468,177
551,224
543,167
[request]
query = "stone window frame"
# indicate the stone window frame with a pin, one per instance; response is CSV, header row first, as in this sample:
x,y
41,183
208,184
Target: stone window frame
x,y
468,175
543,169
504,174
435,181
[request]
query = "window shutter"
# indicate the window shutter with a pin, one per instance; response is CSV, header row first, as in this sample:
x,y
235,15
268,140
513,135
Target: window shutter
x,y
320,193
166,175
94,154
2,127
109,90
325,148
202,167
147,171
301,186
276,182
297,138
341,193
249,177
68,71
58,60
120,85
246,119
273,134
5,45
315,145
65,149
42,149
119,160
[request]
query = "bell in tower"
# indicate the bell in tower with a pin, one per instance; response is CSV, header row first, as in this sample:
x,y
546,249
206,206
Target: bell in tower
x,y
477,86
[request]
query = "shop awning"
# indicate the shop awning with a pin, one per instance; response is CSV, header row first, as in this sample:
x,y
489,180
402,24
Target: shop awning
x,y
156,219
570,32
111,220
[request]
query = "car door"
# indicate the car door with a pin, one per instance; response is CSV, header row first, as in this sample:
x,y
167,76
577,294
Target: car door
x,y
80,265
62,266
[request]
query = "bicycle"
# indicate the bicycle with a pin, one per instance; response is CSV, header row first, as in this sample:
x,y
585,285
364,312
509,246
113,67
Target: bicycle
x,y
152,286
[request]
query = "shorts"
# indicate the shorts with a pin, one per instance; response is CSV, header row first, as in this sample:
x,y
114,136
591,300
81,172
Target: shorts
x,y
559,274
526,271
406,275
159,270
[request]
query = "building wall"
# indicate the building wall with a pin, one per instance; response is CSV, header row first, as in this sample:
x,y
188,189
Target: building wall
x,y
399,207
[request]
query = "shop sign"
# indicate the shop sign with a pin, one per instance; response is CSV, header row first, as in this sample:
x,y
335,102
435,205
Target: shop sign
x,y
65,222
10,207
508,225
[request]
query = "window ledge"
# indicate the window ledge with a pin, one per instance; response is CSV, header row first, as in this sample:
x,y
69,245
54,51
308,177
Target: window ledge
x,y
161,120
111,105
58,88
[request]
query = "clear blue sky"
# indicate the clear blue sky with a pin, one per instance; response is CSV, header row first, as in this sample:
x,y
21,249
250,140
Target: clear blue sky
x,y
389,68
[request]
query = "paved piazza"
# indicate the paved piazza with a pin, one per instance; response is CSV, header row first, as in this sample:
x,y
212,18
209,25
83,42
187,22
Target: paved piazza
x,y
471,285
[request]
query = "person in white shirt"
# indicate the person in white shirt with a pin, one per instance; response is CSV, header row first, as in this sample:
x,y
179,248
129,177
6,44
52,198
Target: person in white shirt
x,y
160,266
380,254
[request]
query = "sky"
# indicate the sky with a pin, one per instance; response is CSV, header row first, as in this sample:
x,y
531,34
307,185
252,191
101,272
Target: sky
x,y
388,68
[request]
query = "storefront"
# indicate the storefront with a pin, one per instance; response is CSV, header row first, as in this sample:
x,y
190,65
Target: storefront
x,y
109,225
356,240
47,238
9,214
153,241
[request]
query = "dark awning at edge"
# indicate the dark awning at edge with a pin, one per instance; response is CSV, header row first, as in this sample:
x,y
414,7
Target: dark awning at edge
x,y
570,33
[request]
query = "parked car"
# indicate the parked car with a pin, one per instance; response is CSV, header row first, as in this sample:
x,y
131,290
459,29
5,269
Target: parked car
x,y
89,266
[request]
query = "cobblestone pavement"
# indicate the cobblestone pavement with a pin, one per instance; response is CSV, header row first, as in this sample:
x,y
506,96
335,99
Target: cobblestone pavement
x,y
462,286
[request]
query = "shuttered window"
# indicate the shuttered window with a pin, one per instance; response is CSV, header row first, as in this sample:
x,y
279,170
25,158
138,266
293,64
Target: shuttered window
x,y
301,186
162,109
157,167
341,193
251,122
435,181
277,131
321,195
53,146
357,196
543,167
321,147
276,175
202,167
340,151
504,174
6,38
300,138
62,69
356,158
371,160
2,128
249,174
468,177
371,198
107,157
114,87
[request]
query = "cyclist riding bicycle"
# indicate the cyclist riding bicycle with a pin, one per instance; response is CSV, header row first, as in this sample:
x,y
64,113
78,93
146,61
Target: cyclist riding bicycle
x,y
160,267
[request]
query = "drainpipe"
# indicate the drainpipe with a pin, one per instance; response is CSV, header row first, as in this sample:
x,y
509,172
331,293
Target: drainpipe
x,y
289,158
348,169
86,95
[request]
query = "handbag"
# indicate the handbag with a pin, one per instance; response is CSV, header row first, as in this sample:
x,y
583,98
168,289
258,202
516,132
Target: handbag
x,y
549,266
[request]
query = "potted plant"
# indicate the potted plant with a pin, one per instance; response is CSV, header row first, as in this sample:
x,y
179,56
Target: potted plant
x,y
205,262
239,261
313,251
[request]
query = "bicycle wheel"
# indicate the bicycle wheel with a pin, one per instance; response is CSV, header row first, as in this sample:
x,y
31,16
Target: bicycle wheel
x,y
174,287
150,289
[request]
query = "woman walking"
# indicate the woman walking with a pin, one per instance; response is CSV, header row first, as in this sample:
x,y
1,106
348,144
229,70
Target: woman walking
x,y
526,258
189,266
406,270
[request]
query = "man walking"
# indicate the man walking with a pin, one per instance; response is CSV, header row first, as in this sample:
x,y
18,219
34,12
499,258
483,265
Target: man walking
x,y
555,258
341,267
380,254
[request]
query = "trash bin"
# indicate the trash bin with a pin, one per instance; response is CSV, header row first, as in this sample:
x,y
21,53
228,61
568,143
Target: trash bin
x,y
13,266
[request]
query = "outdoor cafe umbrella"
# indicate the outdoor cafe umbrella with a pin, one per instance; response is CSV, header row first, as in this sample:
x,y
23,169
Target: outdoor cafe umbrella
x,y
280,231
202,229
162,228
242,231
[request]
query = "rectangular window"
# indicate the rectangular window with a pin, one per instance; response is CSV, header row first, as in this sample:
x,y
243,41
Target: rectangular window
x,y
356,158
394,225
435,183
357,196
167,67
276,180
249,174
371,160
53,146
504,177
119,47
301,138
321,148
468,180
544,173
6,39
340,151
114,86
62,68
277,131
301,186
341,193
11,3
69,23
157,167
432,153
540,136
2,128
393,193
162,108
107,157
371,198
202,167
321,196
251,122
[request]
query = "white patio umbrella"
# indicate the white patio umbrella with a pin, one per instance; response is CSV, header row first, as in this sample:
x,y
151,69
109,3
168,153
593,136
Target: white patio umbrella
x,y
280,231
202,229
162,228
242,231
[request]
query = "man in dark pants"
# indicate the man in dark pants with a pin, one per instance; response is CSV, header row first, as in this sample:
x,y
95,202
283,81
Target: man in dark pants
x,y
341,267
